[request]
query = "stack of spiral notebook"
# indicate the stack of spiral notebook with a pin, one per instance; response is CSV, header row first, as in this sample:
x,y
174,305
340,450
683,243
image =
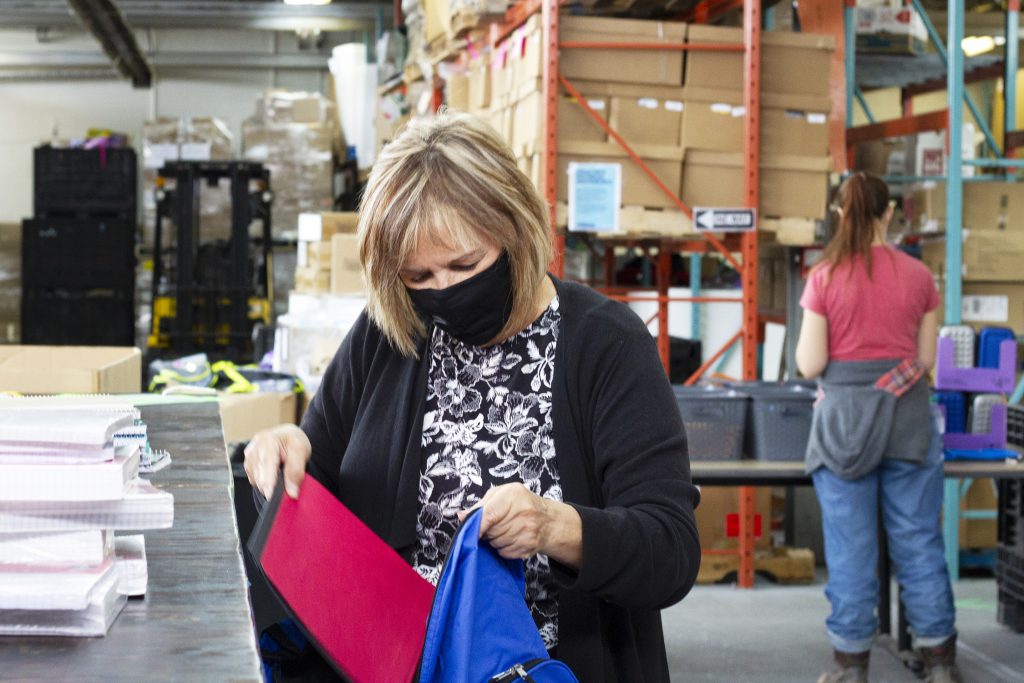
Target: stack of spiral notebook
x,y
68,480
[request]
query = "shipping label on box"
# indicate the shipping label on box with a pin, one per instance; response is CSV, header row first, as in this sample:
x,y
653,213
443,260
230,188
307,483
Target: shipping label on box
x,y
992,309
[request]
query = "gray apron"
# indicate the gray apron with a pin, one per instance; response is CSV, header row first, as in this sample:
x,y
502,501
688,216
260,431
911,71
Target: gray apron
x,y
855,426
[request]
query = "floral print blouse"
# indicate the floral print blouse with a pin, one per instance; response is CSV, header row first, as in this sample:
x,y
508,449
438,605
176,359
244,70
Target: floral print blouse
x,y
487,422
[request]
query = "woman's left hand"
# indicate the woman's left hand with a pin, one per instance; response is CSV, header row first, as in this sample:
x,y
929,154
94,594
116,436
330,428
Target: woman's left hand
x,y
520,524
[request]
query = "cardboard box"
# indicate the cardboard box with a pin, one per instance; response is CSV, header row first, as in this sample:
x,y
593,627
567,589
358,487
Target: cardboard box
x,y
346,270
322,225
885,157
988,256
479,84
646,120
979,534
989,304
437,20
987,206
457,92
312,280
242,415
71,369
659,67
637,188
716,503
574,123
791,63
713,120
318,255
891,31
526,52
993,255
790,186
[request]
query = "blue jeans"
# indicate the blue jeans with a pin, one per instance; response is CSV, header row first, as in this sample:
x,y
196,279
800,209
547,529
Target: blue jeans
x,y
911,500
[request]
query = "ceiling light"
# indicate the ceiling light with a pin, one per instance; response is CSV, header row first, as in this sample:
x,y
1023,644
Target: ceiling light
x,y
976,45
307,2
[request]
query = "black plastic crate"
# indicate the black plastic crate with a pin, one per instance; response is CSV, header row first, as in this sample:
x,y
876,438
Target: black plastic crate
x,y
779,425
85,180
715,421
1010,572
1011,514
1015,425
1010,612
103,317
81,253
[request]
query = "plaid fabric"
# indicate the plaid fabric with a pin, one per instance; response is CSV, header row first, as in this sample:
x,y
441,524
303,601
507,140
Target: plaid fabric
x,y
898,380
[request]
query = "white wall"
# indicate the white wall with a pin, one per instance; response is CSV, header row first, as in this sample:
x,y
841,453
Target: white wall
x,y
32,112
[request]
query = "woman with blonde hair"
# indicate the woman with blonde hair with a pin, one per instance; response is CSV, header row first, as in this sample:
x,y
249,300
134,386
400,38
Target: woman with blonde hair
x,y
869,334
476,379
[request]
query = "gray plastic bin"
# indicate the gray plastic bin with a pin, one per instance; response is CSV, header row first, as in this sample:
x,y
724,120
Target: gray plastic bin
x,y
780,419
715,421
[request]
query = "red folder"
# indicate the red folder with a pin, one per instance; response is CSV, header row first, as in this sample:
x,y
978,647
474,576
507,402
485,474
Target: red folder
x,y
359,602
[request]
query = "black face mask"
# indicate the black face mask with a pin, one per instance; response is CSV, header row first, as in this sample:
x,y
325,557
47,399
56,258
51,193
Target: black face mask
x,y
473,311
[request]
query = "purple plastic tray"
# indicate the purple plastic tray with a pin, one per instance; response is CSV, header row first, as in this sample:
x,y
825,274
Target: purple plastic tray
x,y
999,380
996,437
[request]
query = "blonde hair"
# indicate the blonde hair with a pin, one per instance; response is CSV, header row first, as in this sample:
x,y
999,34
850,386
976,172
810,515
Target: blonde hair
x,y
448,180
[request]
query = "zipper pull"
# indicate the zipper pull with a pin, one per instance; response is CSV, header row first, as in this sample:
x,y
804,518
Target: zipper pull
x,y
521,672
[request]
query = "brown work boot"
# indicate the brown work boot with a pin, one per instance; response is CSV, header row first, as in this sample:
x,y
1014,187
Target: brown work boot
x,y
853,668
940,662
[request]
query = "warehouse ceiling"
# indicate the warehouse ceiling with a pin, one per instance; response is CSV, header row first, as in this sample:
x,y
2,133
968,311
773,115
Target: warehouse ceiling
x,y
273,15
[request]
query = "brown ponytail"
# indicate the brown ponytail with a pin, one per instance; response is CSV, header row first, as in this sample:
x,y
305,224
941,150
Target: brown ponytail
x,y
864,198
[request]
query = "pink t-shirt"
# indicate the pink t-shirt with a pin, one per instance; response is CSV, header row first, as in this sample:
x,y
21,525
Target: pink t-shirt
x,y
872,318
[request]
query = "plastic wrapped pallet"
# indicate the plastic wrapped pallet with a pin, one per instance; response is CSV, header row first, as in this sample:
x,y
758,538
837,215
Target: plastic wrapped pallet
x,y
291,135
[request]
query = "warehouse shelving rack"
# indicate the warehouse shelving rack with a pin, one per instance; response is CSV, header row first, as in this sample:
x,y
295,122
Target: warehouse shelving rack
x,y
950,120
745,245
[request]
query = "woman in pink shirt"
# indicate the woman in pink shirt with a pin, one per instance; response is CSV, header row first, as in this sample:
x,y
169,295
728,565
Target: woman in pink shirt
x,y
869,336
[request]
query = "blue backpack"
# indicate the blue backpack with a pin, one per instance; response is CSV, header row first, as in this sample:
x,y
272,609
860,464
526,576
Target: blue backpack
x,y
480,629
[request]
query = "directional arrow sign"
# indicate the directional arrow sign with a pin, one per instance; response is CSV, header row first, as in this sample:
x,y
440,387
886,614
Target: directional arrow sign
x,y
725,220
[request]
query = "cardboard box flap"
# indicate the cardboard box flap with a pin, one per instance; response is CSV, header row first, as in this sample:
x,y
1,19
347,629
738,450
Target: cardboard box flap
x,y
806,103
612,149
605,29
780,161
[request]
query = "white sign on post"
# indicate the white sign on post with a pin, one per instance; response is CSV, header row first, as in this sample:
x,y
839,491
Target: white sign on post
x,y
724,220
595,194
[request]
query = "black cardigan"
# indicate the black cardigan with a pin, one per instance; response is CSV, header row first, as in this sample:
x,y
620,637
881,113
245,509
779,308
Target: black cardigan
x,y
622,461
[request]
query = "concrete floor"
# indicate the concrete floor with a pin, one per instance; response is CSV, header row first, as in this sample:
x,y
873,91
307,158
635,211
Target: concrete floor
x,y
777,634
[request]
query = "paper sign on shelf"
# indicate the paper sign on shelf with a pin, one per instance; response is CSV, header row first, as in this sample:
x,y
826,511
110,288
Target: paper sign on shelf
x,y
595,194
992,309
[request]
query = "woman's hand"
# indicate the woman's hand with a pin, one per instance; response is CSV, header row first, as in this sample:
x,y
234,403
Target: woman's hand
x,y
285,444
520,524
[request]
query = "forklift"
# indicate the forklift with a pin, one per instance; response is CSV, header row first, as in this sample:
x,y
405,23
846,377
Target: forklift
x,y
211,296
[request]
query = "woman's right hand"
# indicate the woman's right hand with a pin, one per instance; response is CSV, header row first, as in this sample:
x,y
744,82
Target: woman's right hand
x,y
281,445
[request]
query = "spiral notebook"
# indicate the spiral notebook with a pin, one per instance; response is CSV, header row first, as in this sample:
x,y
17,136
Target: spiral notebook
x,y
68,482
143,506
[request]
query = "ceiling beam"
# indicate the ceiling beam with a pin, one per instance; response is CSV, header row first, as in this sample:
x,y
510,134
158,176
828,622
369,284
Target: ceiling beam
x,y
105,22
60,60
225,14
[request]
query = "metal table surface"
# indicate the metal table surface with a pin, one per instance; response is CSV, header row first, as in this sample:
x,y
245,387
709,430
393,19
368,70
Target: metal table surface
x,y
194,623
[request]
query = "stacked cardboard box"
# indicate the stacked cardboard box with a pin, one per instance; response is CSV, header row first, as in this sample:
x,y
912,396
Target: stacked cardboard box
x,y
993,249
690,136
328,254
795,103
291,135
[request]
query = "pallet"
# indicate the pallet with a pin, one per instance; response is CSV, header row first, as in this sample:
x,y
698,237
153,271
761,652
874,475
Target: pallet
x,y
781,565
